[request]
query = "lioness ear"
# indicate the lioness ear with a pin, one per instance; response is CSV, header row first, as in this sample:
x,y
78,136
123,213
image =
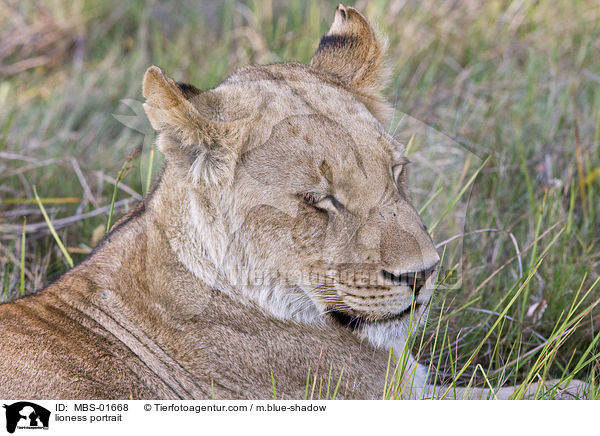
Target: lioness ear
x,y
353,52
188,136
166,105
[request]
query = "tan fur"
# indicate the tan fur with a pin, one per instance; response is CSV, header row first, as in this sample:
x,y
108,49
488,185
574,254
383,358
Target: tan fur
x,y
260,253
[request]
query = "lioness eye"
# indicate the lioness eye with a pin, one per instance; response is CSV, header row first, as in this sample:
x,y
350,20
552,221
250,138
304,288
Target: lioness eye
x,y
311,198
322,202
397,172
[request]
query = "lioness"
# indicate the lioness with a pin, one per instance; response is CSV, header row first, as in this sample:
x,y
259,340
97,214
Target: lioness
x,y
284,172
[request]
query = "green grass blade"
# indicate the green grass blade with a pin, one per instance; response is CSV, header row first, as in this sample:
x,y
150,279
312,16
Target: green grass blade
x,y
337,386
120,175
150,165
51,227
307,383
329,381
430,200
460,194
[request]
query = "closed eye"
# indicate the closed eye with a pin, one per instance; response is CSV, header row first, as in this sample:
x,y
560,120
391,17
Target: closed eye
x,y
398,170
322,202
312,198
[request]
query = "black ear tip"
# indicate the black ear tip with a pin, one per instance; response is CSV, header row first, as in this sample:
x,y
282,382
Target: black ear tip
x,y
188,90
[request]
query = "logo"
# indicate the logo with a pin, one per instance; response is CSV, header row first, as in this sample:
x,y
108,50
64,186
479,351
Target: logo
x,y
26,415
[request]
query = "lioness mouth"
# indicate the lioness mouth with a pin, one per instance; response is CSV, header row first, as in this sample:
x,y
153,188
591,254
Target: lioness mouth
x,y
354,321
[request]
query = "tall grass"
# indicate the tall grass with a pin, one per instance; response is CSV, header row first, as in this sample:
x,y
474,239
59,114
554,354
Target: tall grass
x,y
513,82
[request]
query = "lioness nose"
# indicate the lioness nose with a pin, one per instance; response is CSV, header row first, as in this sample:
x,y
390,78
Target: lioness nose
x,y
415,280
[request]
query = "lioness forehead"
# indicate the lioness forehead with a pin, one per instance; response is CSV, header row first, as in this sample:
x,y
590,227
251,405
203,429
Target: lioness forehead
x,y
269,94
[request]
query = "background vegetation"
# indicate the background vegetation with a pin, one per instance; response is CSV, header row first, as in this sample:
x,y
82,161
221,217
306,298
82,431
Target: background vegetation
x,y
517,80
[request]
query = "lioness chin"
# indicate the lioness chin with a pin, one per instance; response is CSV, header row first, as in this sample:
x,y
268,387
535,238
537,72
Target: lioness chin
x,y
280,243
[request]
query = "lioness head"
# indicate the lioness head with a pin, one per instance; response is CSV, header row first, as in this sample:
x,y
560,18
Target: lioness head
x,y
287,170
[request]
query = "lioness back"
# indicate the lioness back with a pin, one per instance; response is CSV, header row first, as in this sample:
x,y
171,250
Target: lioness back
x,y
56,344
51,350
